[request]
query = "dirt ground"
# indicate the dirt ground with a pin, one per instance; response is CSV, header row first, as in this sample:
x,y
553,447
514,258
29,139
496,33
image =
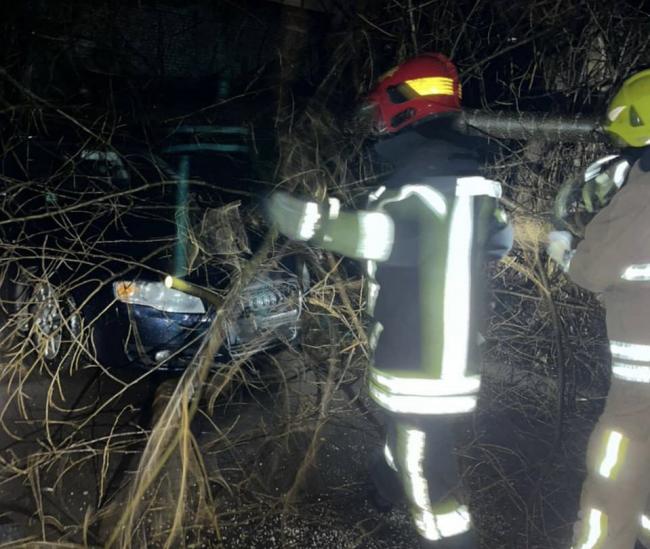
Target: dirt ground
x,y
525,480
53,451
49,495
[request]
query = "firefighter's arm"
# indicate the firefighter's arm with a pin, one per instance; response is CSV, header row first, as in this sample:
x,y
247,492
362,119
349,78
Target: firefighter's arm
x,y
359,234
611,240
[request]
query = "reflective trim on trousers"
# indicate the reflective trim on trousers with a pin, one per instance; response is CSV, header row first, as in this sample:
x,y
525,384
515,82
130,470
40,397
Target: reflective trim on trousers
x,y
414,464
433,522
631,372
594,530
425,386
422,405
614,450
630,351
388,456
436,526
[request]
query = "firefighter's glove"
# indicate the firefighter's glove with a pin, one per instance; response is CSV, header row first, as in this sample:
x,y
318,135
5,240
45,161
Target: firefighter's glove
x,y
597,191
295,218
559,248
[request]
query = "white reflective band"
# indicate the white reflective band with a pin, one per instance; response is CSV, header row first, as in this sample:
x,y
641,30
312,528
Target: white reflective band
x,y
431,525
595,530
374,196
630,351
436,527
427,387
371,268
309,220
375,332
612,454
378,231
477,186
620,172
376,235
388,456
373,294
456,307
631,372
335,208
637,273
594,169
645,522
415,441
372,287
433,199
423,405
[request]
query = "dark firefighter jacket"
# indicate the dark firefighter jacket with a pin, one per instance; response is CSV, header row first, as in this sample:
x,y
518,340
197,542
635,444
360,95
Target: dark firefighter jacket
x,y
424,297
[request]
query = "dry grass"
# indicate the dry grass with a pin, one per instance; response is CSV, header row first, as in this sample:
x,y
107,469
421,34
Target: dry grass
x,y
530,233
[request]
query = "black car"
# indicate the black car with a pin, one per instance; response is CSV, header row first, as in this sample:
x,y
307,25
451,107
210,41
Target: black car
x,y
91,232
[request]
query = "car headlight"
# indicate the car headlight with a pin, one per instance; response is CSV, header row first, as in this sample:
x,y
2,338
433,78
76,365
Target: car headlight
x,y
158,296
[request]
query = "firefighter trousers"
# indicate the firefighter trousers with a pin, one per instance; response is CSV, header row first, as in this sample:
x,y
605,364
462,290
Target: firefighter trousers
x,y
422,450
614,494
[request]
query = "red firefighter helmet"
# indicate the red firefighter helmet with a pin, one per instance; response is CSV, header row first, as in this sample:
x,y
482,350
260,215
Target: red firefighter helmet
x,y
422,87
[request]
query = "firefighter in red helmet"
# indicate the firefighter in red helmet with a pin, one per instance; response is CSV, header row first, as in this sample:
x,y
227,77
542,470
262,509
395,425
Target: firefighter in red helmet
x,y
422,238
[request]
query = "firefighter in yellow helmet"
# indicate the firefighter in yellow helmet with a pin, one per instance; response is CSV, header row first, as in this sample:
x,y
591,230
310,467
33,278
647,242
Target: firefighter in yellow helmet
x,y
613,260
422,238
